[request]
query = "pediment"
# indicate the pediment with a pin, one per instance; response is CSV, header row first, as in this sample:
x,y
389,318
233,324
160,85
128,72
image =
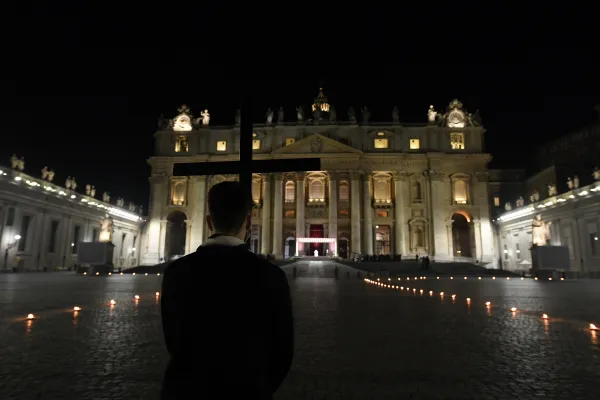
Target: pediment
x,y
317,144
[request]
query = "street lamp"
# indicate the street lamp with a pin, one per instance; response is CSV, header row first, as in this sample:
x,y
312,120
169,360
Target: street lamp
x,y
9,247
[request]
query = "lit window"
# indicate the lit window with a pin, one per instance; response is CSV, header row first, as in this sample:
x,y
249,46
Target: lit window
x,y
381,143
496,201
317,190
181,144
381,190
460,192
289,192
344,213
380,134
415,144
343,188
256,144
289,141
221,145
381,213
290,213
178,193
457,141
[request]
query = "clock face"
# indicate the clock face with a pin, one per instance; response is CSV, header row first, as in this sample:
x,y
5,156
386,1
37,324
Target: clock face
x,y
183,123
456,119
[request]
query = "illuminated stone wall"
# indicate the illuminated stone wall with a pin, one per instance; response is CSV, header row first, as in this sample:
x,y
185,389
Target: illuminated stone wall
x,y
367,189
50,220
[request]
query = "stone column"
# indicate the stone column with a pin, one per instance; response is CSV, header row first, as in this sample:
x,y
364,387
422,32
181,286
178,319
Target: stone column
x,y
188,236
438,198
198,213
450,238
278,217
368,215
158,199
162,240
265,239
478,244
355,212
400,223
333,211
300,219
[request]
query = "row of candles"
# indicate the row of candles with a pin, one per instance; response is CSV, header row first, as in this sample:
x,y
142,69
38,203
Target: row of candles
x,y
465,278
121,273
112,303
488,304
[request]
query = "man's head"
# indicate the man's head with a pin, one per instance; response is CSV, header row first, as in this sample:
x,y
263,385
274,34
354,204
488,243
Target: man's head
x,y
229,209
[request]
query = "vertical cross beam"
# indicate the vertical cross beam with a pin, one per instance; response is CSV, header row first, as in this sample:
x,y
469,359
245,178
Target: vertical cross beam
x,y
246,129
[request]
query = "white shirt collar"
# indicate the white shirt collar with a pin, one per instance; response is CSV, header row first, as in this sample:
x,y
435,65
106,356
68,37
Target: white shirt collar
x,y
230,241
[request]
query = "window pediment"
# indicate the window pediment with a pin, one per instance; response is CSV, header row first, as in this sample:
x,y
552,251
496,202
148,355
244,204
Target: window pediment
x,y
381,133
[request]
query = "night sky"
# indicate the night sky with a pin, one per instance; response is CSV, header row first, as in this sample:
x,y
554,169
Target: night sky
x,y
84,107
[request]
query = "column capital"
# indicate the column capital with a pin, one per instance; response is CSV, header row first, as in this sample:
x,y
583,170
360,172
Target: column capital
x,y
158,178
198,178
355,175
278,176
300,176
436,175
400,176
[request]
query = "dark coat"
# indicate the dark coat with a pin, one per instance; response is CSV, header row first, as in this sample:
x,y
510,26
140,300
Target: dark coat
x,y
228,325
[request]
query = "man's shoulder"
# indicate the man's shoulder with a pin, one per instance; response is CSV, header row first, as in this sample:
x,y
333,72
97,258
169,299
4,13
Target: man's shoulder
x,y
247,258
179,264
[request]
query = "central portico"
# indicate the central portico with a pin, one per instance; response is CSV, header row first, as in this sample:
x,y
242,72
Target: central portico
x,y
383,188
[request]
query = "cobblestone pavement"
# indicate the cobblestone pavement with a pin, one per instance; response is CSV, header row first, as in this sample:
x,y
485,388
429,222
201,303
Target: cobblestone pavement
x,y
355,340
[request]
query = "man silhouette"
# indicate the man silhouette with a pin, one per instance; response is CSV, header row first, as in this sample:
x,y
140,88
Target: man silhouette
x,y
226,313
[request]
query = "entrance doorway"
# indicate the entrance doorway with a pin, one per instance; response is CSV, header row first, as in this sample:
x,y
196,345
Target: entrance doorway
x,y
343,247
316,232
289,249
328,244
175,236
461,236
382,240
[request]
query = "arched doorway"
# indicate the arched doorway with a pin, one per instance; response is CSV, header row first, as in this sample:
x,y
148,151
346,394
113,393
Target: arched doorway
x,y
289,249
461,235
175,236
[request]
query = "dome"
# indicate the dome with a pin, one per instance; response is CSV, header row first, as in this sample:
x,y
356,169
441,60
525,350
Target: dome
x,y
321,102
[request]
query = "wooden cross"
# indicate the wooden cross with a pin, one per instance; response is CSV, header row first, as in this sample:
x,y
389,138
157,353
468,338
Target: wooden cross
x,y
246,166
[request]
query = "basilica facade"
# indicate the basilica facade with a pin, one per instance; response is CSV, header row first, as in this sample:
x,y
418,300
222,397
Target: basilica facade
x,y
385,188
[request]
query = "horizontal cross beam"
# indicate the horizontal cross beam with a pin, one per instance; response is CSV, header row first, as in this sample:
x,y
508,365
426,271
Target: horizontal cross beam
x,y
256,166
